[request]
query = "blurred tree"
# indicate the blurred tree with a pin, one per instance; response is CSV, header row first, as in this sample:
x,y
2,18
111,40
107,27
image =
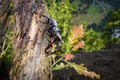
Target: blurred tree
x,y
112,25
114,3
93,40
29,61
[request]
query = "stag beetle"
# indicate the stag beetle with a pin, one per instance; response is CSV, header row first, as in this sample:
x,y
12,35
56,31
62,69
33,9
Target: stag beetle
x,y
54,34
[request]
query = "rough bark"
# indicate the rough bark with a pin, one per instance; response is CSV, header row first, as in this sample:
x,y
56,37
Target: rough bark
x,y
4,6
29,61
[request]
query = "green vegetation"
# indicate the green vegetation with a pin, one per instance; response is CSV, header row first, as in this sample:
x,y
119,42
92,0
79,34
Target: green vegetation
x,y
7,50
94,14
114,23
94,9
93,40
61,11
72,37
6,54
88,19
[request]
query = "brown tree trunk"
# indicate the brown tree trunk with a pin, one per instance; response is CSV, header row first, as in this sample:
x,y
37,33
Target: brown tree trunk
x,y
4,5
29,61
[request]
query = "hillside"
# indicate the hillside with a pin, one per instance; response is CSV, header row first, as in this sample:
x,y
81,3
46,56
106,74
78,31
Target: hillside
x,y
105,62
94,13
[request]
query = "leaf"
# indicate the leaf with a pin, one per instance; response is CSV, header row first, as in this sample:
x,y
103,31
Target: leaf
x,y
67,56
80,69
78,45
58,67
54,56
76,33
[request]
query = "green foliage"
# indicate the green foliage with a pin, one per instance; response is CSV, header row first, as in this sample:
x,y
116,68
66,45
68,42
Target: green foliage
x,y
90,17
94,9
113,23
114,3
93,40
61,11
7,49
10,12
6,53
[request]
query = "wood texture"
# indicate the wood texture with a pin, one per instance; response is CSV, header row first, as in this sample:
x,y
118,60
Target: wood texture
x,y
29,61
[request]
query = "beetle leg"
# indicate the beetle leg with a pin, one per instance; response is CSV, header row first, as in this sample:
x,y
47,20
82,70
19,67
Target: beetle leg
x,y
50,44
58,46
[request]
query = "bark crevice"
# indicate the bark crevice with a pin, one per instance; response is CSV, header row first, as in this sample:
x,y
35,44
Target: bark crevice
x,y
29,61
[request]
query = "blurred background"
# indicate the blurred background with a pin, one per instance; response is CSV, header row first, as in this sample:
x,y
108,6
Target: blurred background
x,y
100,21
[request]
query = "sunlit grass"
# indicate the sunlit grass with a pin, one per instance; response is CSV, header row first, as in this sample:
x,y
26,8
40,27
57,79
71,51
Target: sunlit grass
x,y
94,15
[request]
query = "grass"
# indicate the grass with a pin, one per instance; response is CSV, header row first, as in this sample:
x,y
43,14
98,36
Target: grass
x,y
94,15
94,9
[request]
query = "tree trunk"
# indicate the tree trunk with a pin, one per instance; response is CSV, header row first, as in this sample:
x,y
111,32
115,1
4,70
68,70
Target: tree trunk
x,y
4,5
29,61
